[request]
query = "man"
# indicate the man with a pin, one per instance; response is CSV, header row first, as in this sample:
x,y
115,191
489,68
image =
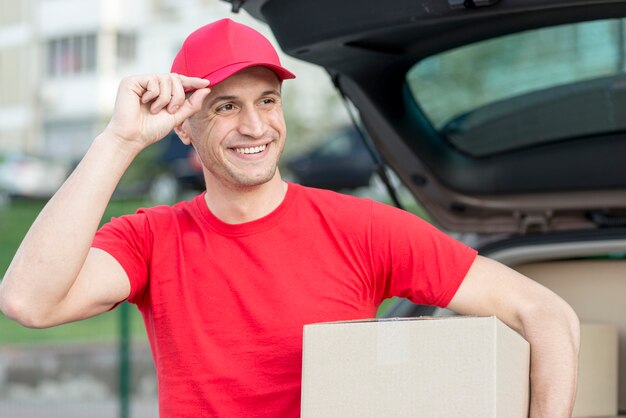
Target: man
x,y
226,281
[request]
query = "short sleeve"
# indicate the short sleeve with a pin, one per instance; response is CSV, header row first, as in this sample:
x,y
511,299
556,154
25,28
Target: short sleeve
x,y
414,260
128,240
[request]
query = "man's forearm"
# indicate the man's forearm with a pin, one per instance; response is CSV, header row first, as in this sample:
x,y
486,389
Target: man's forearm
x,y
547,322
554,337
56,246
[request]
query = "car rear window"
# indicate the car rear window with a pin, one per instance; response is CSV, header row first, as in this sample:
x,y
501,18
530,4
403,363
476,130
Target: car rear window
x,y
526,89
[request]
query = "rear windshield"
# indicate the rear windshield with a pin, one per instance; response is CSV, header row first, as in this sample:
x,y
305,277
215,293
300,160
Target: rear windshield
x,y
526,89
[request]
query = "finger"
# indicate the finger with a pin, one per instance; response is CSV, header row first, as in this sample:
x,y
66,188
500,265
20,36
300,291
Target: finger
x,y
165,94
192,105
193,82
197,98
178,94
152,90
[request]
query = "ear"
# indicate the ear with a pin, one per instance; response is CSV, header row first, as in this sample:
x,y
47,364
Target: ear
x,y
184,132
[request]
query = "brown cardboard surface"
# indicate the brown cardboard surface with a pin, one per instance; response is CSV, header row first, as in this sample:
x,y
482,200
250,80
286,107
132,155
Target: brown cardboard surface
x,y
445,367
597,371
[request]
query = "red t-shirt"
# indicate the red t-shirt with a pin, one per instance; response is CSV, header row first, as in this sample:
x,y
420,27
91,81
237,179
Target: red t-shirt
x,y
224,305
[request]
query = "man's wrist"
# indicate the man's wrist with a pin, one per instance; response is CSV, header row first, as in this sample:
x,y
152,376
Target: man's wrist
x,y
121,147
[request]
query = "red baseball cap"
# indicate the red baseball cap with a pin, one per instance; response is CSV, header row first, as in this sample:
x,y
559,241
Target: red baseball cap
x,y
220,49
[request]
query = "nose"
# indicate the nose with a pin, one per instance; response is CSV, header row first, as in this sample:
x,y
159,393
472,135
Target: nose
x,y
252,123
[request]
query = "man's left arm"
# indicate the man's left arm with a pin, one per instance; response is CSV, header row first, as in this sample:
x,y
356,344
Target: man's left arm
x,y
545,320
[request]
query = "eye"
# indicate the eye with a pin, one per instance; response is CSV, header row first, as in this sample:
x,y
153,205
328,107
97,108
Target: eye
x,y
267,101
227,107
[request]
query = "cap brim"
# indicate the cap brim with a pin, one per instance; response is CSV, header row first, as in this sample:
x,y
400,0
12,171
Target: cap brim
x,y
223,73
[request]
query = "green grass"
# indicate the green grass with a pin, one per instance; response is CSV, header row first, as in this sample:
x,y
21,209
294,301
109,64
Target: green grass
x,y
14,223
385,306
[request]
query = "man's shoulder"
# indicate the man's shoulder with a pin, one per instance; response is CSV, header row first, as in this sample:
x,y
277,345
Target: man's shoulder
x,y
334,207
341,201
344,206
330,197
181,206
161,213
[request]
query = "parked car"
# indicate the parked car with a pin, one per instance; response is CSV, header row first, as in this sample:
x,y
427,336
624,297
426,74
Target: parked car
x,y
180,171
30,176
505,119
341,161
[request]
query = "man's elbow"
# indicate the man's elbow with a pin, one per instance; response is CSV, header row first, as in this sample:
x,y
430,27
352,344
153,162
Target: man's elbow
x,y
554,315
570,318
21,311
574,323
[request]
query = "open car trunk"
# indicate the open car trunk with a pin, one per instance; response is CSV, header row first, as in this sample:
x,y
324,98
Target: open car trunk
x,y
504,118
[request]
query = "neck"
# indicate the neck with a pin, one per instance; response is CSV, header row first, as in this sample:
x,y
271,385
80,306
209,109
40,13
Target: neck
x,y
244,204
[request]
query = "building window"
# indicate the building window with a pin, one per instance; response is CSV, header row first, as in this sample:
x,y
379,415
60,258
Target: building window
x,y
71,55
126,48
12,76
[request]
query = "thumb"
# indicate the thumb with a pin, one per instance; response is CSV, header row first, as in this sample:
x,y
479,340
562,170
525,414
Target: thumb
x,y
192,105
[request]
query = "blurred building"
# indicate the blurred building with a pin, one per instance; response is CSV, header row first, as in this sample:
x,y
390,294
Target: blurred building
x,y
18,49
61,62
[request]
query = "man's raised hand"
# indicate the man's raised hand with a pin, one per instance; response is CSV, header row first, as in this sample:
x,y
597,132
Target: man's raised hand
x,y
148,107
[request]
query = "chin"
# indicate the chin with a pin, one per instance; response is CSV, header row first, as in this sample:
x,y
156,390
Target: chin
x,y
254,181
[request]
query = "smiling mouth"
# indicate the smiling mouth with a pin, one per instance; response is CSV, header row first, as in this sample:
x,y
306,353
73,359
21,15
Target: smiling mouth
x,y
251,150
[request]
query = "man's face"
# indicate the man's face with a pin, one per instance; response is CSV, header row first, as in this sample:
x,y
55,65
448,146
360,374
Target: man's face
x,y
240,132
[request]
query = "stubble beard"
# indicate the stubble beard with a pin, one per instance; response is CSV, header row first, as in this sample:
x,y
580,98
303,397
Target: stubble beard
x,y
241,179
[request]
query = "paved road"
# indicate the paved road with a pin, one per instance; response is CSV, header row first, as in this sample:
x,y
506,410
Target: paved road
x,y
73,381
91,409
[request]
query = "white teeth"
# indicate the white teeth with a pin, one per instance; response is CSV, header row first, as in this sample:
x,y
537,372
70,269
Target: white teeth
x,y
251,150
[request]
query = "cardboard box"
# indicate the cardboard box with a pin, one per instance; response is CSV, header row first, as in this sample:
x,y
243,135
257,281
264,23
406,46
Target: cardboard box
x,y
415,367
596,395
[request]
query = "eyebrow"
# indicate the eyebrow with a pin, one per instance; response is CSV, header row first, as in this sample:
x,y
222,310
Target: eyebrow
x,y
220,98
270,92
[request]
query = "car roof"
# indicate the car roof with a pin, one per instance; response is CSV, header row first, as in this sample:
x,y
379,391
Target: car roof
x,y
463,171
